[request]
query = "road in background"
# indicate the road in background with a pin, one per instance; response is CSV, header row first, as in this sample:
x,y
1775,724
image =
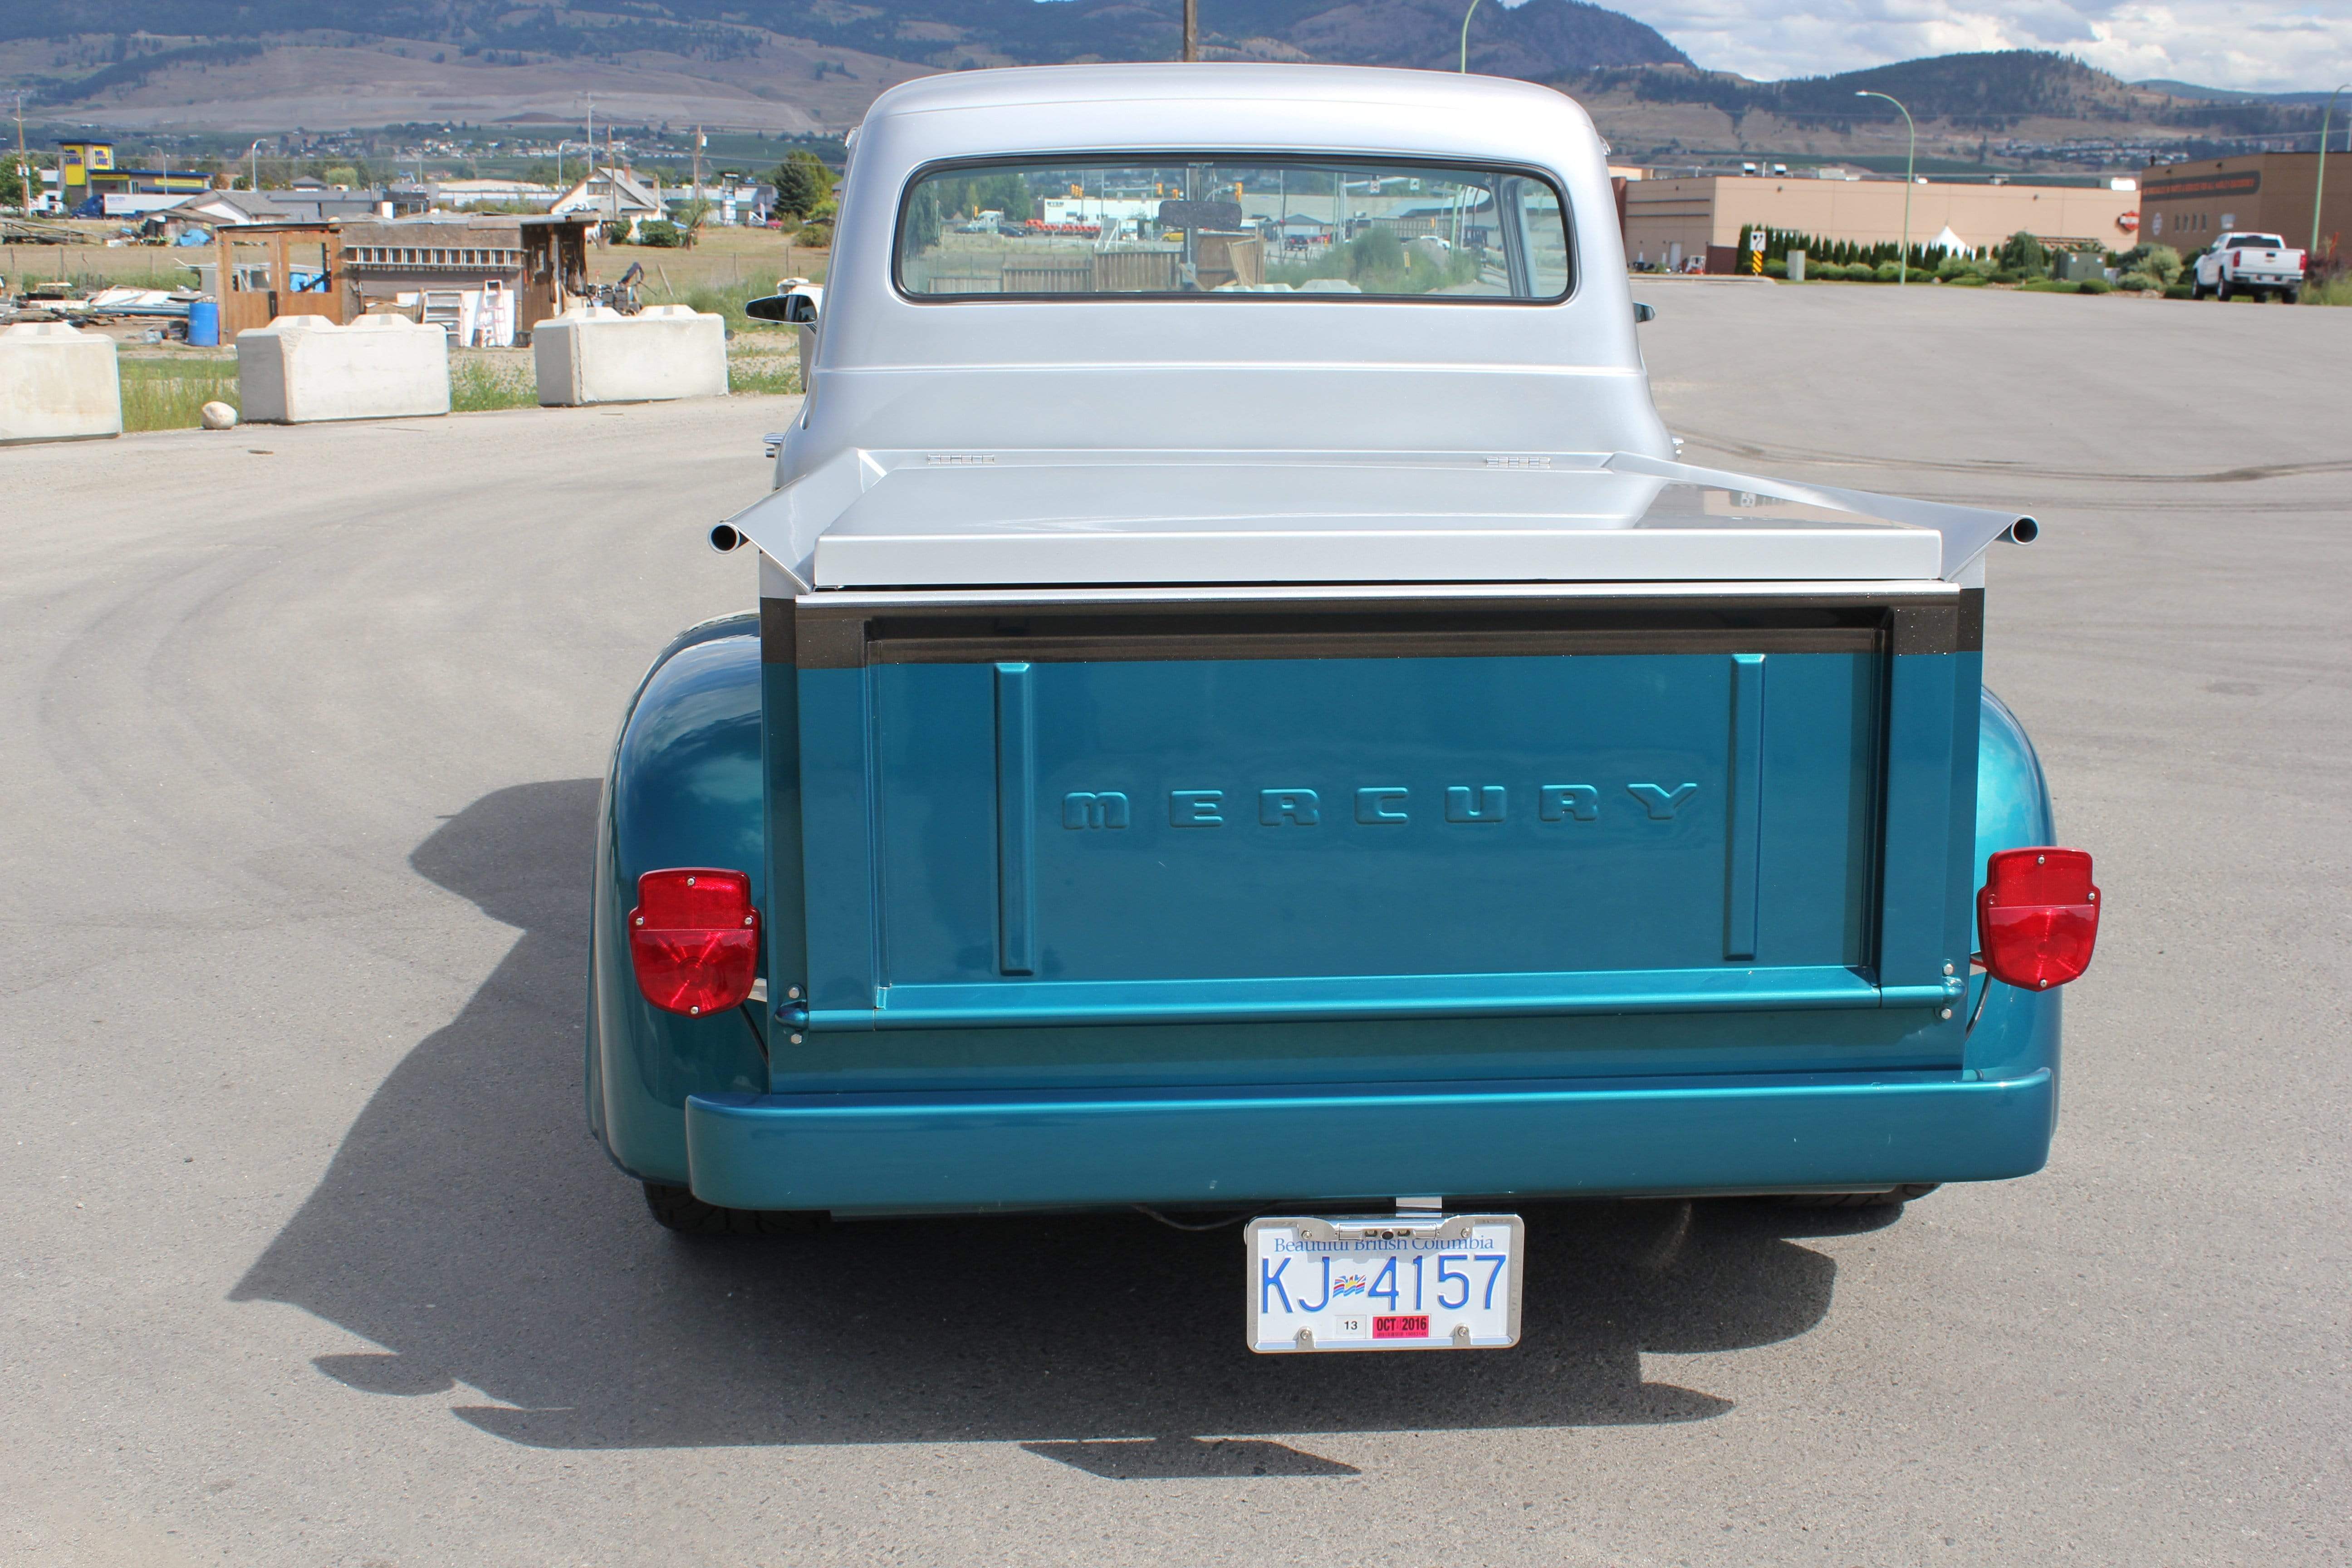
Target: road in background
x,y
307,1261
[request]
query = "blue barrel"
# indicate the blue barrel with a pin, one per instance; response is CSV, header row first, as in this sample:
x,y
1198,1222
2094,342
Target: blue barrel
x,y
204,323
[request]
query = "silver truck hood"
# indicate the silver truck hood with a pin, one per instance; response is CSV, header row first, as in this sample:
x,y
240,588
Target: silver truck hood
x,y
917,519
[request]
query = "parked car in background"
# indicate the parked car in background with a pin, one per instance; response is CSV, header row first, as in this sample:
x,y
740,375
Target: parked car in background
x,y
1285,740
2250,263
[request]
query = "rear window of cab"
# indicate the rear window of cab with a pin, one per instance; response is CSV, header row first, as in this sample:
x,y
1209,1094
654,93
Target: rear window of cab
x,y
1183,226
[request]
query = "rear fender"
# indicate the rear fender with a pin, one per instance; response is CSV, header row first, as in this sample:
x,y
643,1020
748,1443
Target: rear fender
x,y
2017,1032
683,789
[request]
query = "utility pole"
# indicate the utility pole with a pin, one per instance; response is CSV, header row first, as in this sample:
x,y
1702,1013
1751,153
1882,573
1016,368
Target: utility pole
x,y
23,169
1191,29
1910,160
1466,35
697,165
2318,185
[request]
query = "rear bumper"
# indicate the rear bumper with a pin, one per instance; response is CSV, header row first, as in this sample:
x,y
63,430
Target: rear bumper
x,y
849,1152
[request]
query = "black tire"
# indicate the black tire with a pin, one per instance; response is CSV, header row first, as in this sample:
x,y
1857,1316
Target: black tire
x,y
676,1208
2222,289
1892,1197
2292,296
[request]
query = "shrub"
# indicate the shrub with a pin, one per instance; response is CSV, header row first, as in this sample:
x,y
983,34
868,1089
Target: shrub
x,y
2161,263
2334,290
2094,286
2139,280
1375,252
1970,279
1889,271
2180,291
660,232
1776,267
2008,275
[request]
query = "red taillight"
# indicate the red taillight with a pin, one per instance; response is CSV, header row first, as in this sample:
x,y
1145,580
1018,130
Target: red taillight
x,y
694,938
2038,916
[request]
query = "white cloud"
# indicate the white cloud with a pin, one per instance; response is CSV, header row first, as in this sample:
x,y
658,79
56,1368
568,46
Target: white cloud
x,y
2245,44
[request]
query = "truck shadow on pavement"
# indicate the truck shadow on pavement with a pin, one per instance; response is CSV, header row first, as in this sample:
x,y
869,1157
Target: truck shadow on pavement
x,y
470,1228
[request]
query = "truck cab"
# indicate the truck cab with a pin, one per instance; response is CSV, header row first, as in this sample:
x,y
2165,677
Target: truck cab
x,y
1239,728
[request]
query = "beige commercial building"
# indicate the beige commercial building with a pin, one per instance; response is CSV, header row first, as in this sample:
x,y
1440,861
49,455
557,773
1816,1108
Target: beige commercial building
x,y
1669,219
2191,205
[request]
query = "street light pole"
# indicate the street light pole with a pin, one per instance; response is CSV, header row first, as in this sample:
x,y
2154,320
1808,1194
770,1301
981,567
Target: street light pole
x,y
2319,184
254,152
1191,29
1466,35
1910,161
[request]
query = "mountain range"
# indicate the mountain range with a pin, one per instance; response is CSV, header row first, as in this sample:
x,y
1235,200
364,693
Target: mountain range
x,y
802,66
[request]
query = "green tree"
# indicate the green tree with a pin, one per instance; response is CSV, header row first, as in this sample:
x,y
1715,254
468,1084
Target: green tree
x,y
923,219
18,184
802,184
1007,193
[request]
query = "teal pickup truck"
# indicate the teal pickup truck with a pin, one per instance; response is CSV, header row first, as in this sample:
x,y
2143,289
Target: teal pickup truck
x,y
1247,716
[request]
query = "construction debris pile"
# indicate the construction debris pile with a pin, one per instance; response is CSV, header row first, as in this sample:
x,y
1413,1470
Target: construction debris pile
x,y
126,314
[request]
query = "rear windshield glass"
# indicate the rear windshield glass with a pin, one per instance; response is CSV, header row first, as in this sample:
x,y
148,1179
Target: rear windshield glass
x,y
1212,226
2255,241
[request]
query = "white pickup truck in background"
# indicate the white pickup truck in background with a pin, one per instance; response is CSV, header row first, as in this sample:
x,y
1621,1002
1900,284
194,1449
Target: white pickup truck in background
x,y
2248,264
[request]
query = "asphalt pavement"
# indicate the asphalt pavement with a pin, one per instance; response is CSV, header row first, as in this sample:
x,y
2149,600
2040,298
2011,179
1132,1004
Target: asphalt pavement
x,y
307,1259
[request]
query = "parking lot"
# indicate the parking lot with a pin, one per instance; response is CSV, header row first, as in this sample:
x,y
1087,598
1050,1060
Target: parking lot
x,y
309,1260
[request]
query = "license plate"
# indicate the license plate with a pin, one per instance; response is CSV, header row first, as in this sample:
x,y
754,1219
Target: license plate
x,y
1419,1282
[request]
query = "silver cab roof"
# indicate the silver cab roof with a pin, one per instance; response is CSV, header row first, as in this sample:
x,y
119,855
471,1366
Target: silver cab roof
x,y
1028,439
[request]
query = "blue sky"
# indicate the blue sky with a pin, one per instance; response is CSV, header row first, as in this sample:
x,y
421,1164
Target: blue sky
x,y
2257,44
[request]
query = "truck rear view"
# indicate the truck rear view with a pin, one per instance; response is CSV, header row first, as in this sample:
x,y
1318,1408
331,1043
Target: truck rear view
x,y
1248,714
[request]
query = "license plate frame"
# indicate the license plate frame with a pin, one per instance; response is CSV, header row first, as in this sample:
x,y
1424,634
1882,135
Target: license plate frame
x,y
1358,1256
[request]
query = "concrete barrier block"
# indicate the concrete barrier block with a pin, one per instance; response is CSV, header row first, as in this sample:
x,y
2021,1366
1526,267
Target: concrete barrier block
x,y
58,384
302,369
596,354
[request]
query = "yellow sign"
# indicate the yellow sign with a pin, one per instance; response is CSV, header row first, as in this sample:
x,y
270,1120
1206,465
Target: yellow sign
x,y
101,157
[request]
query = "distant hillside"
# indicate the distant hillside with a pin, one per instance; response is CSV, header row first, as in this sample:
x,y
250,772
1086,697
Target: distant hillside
x,y
1540,38
2227,94
1984,92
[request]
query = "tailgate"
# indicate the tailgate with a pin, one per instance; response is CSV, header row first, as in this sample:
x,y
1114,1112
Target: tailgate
x,y
1120,807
